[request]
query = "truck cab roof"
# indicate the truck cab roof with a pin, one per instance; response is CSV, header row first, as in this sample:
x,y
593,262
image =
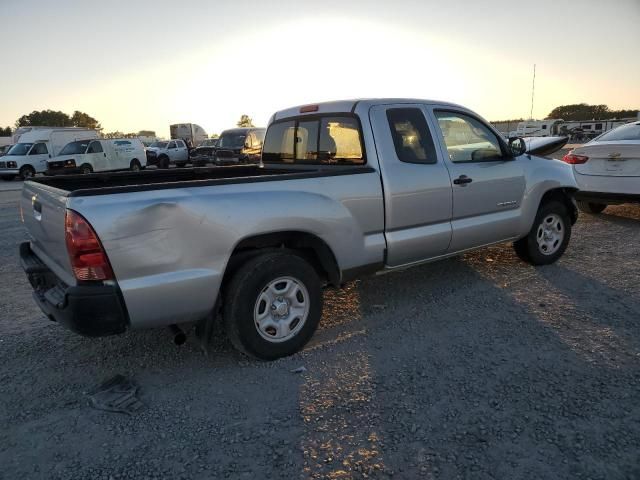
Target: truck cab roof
x,y
349,106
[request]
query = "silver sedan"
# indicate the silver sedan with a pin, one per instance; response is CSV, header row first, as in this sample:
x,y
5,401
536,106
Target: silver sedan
x,y
607,169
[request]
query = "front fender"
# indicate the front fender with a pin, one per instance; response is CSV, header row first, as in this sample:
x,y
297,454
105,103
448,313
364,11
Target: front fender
x,y
542,176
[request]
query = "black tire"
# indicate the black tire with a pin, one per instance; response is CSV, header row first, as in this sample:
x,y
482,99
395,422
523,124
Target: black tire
x,y
181,164
163,162
27,172
86,169
242,293
590,207
7,178
135,165
530,251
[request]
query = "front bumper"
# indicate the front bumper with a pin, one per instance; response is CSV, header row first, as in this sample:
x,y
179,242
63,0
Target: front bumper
x,y
9,171
90,310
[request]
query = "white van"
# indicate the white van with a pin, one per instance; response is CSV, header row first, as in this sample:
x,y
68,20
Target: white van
x,y
29,156
103,155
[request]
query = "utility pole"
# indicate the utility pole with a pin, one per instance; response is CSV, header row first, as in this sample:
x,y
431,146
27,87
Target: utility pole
x,y
533,89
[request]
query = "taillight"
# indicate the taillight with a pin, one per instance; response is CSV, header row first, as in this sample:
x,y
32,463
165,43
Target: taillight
x,y
88,260
574,159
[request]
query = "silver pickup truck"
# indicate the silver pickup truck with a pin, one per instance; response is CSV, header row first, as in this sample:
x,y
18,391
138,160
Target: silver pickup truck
x,y
343,189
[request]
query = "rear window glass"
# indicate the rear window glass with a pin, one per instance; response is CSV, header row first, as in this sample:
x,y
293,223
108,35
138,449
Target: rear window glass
x,y
630,131
323,140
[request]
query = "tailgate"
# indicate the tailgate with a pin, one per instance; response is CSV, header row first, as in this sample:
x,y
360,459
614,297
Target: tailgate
x,y
43,212
616,160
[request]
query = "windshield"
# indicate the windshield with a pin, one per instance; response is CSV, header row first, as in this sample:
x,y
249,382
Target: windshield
x,y
232,140
20,149
75,148
159,144
630,131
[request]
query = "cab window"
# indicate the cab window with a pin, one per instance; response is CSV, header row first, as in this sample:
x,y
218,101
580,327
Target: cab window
x,y
39,149
172,145
95,147
319,140
411,136
467,139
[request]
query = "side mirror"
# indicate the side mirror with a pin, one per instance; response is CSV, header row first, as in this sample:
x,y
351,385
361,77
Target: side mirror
x,y
517,146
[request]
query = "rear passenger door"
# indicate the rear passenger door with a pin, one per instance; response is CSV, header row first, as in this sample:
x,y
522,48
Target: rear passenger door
x,y
488,183
417,186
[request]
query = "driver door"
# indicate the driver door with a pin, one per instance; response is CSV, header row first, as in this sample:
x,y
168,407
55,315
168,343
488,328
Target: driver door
x,y
172,152
488,183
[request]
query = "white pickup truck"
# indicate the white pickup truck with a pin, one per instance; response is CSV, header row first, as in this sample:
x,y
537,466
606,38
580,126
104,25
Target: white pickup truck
x,y
344,188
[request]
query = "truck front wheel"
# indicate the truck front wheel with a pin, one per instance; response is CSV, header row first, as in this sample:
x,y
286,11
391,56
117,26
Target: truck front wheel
x,y
272,305
549,236
27,172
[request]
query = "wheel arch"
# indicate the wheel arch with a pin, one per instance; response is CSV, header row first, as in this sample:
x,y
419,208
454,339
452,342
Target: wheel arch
x,y
564,195
308,245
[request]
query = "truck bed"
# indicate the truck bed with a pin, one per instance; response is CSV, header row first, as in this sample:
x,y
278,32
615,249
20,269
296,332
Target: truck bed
x,y
120,182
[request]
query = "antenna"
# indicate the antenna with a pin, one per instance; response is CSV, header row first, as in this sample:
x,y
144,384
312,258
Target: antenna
x,y
533,89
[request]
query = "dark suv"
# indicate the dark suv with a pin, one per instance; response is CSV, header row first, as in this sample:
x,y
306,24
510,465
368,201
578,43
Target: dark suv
x,y
240,145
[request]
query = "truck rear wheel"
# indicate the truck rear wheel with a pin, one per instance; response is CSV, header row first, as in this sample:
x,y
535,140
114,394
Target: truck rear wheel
x,y
135,165
272,305
549,236
590,207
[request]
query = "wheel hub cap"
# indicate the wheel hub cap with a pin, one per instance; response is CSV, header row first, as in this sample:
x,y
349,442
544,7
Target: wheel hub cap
x,y
550,234
281,309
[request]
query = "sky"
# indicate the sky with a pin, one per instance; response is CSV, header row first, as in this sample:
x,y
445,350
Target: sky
x,y
138,65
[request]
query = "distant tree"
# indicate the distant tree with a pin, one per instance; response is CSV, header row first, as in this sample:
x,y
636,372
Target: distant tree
x,y
44,118
81,119
245,121
113,135
52,118
583,111
215,135
5,132
146,133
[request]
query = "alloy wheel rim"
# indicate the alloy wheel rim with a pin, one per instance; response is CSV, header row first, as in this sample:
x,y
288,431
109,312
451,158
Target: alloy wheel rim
x,y
281,309
550,234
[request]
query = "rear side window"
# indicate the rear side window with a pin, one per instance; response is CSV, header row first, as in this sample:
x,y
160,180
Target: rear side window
x,y
411,136
122,142
319,140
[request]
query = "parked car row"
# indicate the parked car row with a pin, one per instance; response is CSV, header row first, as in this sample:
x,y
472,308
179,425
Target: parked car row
x,y
234,146
70,150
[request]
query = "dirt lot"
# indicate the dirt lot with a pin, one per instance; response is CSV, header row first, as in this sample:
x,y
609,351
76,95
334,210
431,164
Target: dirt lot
x,y
475,367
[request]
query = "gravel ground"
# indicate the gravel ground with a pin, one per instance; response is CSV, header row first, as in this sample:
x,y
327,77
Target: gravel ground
x,y
475,367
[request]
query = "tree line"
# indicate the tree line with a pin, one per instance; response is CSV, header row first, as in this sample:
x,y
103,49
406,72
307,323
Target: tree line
x,y
52,118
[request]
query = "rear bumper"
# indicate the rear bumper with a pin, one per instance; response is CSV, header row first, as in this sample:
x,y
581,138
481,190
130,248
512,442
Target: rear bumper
x,y
608,185
607,197
90,310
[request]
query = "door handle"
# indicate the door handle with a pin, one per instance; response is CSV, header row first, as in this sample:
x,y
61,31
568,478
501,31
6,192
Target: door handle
x,y
462,180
